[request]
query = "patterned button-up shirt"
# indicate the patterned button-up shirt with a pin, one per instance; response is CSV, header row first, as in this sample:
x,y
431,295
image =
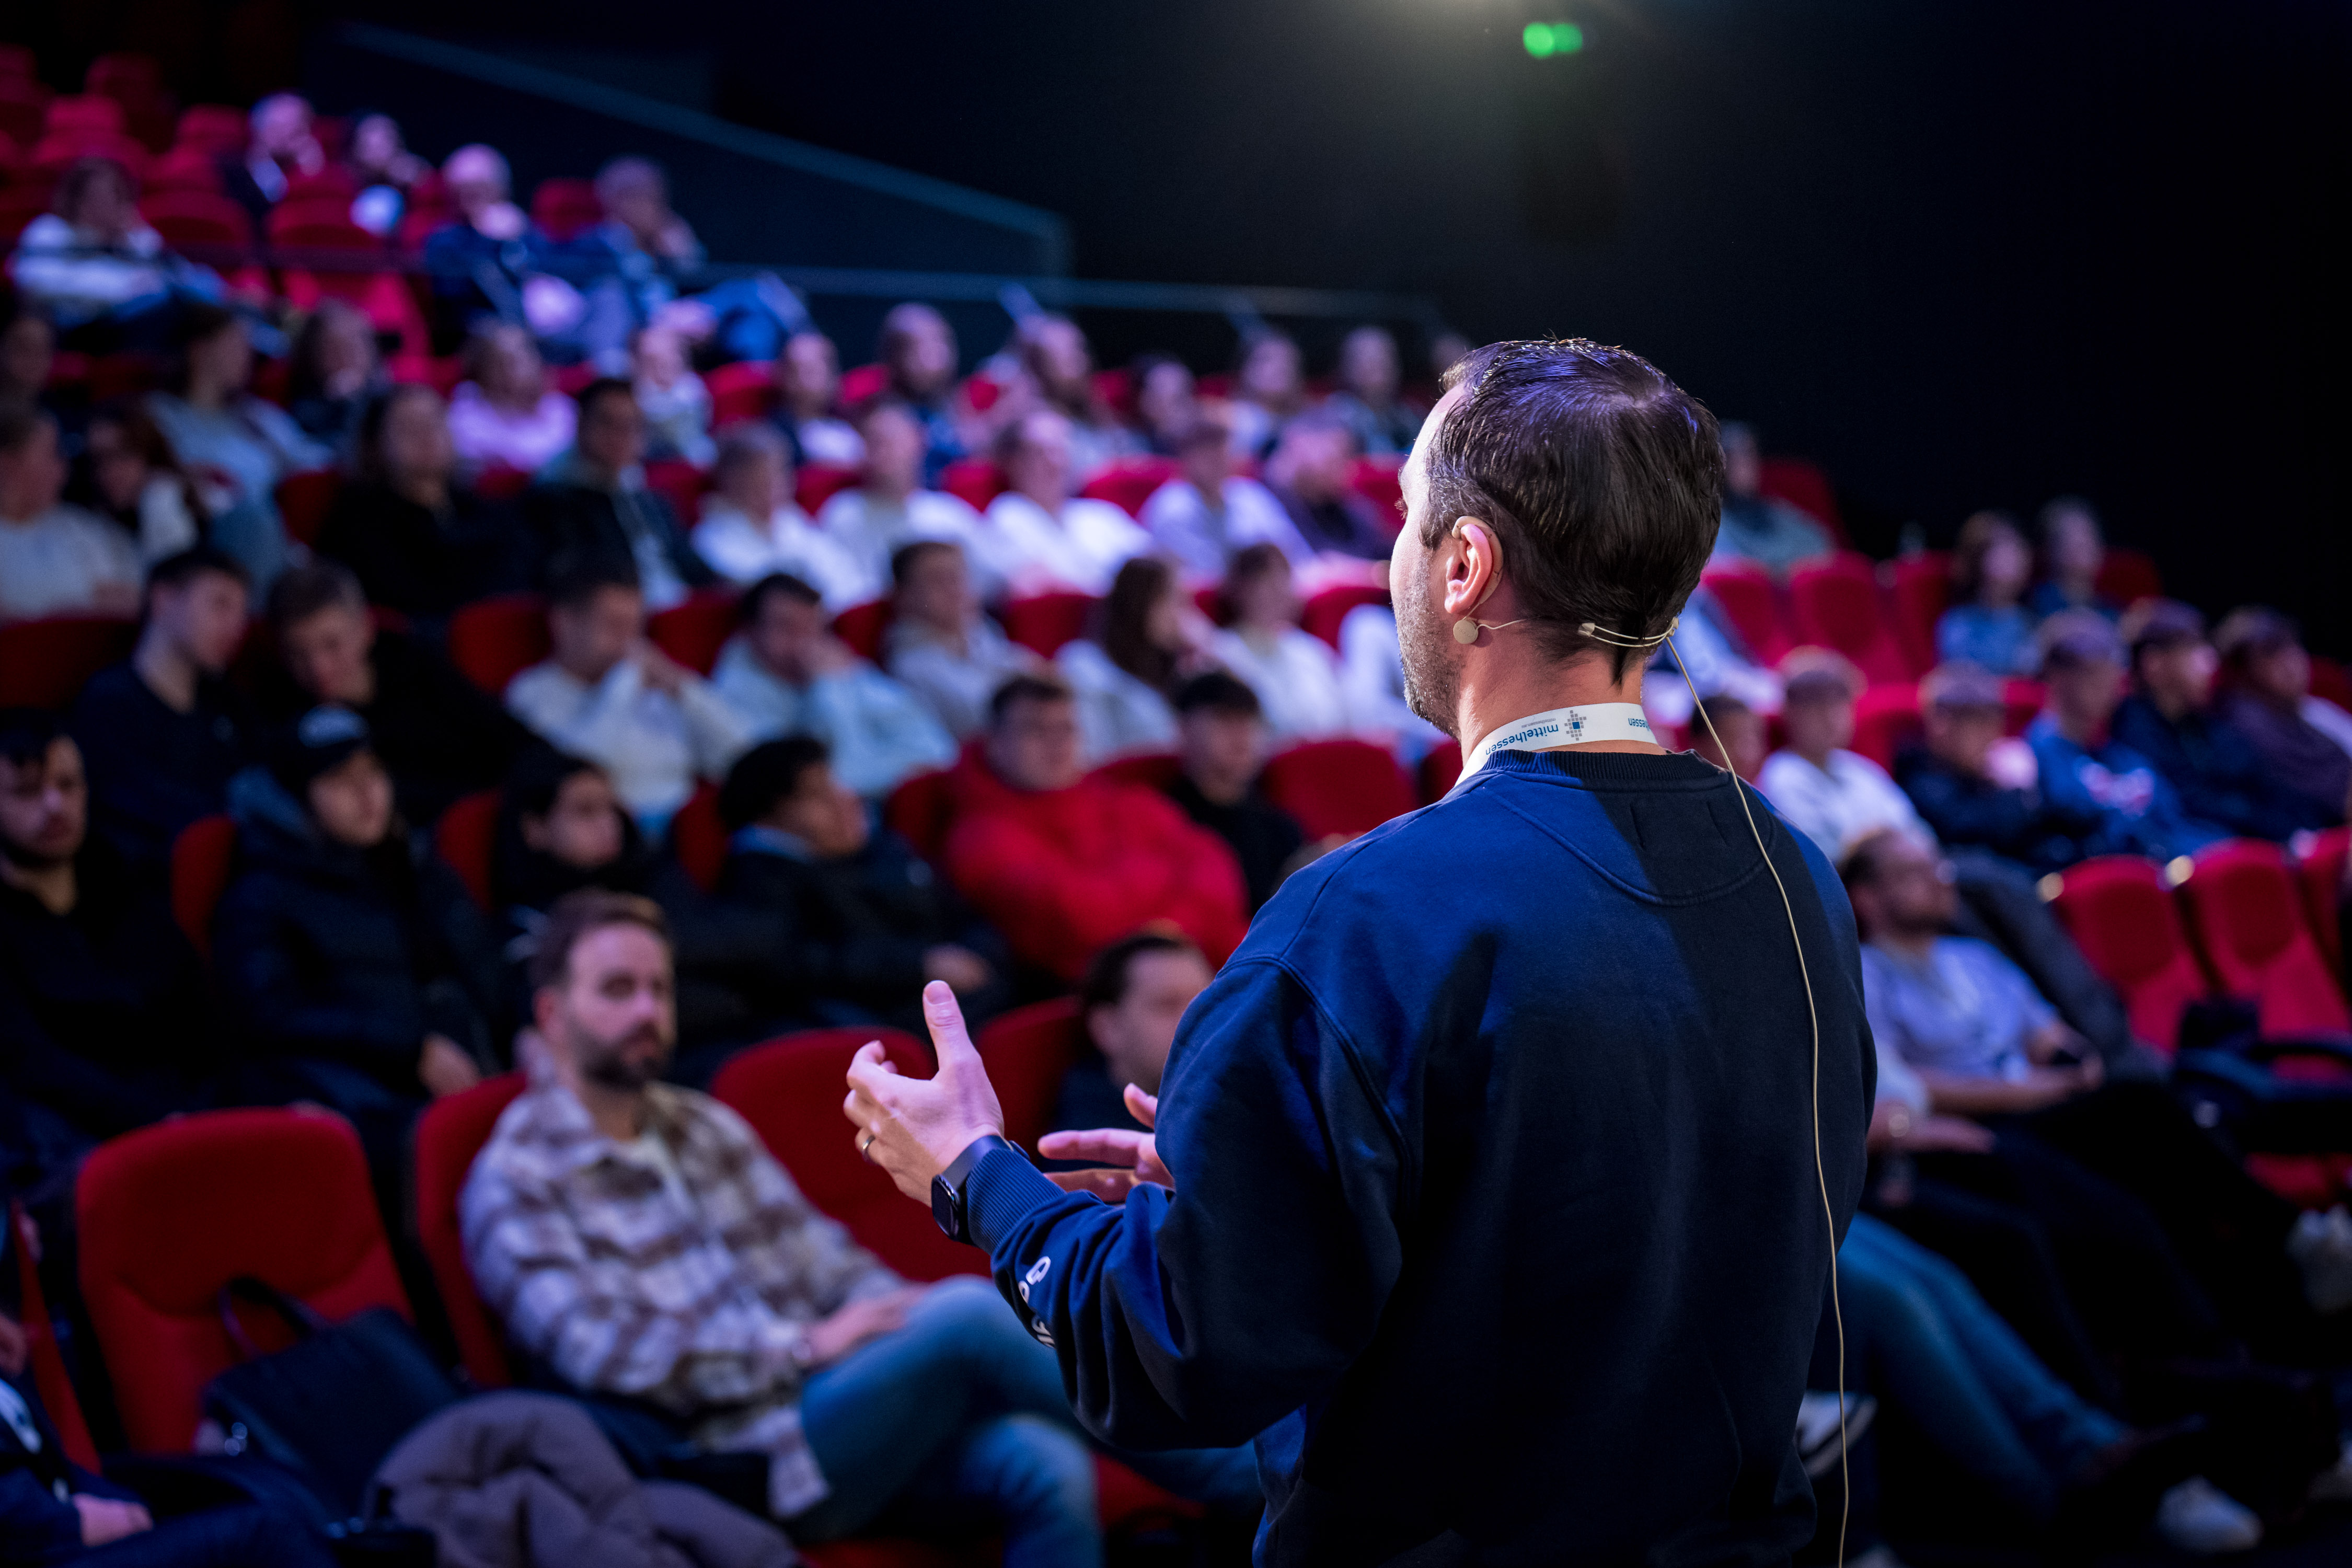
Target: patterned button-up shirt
x,y
682,1269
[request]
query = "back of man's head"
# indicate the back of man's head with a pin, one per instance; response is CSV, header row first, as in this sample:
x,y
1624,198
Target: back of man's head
x,y
573,582
764,776
1110,971
1601,479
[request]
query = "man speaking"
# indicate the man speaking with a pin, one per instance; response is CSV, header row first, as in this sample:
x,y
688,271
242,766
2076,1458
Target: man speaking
x,y
1499,1174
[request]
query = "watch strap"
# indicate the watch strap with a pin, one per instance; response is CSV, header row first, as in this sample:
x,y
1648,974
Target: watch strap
x,y
960,1169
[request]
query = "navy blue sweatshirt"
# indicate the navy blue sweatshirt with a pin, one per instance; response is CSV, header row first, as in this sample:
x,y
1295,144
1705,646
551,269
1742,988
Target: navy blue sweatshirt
x,y
1496,1220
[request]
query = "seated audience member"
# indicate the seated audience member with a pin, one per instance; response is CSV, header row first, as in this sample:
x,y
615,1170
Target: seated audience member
x,y
866,923
888,508
103,277
336,373
1062,863
1758,528
1309,473
1041,535
917,351
2169,719
237,445
1989,624
642,237
282,145
385,172
785,674
420,541
1208,512
2080,764
104,1022
1294,673
1166,405
676,403
1148,637
28,349
1367,401
55,1514
1269,391
2073,550
752,527
437,733
2305,742
164,734
1738,741
55,559
126,473
1825,791
609,695
1371,681
1975,789
354,968
1130,1000
1987,1046
939,646
1055,359
808,396
504,414
1221,730
593,501
561,828
481,262
638,1240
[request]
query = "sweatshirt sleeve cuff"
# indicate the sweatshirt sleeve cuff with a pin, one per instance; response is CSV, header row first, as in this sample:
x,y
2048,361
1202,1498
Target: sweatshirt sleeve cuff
x,y
1004,1189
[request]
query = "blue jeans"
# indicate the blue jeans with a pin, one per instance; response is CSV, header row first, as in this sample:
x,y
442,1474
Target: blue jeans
x,y
959,1420
1926,1340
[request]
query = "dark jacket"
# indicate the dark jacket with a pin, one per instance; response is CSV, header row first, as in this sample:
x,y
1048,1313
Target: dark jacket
x,y
1265,839
2211,766
37,1525
1347,523
422,562
154,771
439,734
2020,825
103,1013
2310,771
1497,1220
323,950
857,929
568,519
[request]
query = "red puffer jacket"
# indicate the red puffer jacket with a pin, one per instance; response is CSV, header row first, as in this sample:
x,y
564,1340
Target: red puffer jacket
x,y
1062,872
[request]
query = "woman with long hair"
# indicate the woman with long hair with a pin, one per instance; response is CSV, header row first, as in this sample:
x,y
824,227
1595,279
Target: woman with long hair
x,y
1147,637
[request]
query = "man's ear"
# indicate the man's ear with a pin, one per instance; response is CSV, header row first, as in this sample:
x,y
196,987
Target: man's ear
x,y
1472,563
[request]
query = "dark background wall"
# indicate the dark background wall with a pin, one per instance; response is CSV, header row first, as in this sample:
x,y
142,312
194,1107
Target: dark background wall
x,y
1962,254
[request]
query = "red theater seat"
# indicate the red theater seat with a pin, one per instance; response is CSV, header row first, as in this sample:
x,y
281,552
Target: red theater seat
x,y
862,627
744,389
19,205
1804,487
1041,623
693,633
1441,770
1751,601
23,107
790,1091
467,838
202,857
2246,915
74,116
920,810
861,381
44,663
1836,603
186,170
566,207
1375,479
2130,574
1326,610
698,838
2321,871
1128,482
1338,786
1923,591
1885,717
2119,913
1027,1051
493,640
213,127
330,185
818,483
975,481
170,1214
498,481
304,500
449,1134
197,216
679,482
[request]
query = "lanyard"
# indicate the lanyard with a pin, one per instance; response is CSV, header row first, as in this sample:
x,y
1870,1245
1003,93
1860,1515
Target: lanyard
x,y
1564,727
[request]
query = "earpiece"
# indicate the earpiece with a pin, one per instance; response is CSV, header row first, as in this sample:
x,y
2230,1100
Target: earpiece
x,y
1466,630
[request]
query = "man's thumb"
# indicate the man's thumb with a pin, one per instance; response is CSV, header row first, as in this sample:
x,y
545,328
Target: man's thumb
x,y
951,1041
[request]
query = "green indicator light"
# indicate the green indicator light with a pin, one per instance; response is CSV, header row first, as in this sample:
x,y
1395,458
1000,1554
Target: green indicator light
x,y
1544,40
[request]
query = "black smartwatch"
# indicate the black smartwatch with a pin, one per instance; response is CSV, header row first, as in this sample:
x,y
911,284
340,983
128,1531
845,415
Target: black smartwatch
x,y
947,1187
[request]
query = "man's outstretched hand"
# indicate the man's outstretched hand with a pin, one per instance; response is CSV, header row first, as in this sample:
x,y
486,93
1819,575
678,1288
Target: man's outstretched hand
x,y
921,1125
1124,1158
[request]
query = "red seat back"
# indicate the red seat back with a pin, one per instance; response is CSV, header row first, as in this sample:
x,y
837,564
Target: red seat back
x,y
1151,770
449,1134
679,482
1885,717
1128,482
1028,1051
171,1213
1836,603
195,217
202,857
790,1091
693,633
744,389
698,838
46,663
1923,591
493,640
2321,871
1044,622
317,223
1804,487
818,483
1375,479
1324,613
863,626
83,112
23,107
2117,909
920,810
2245,914
332,183
498,481
45,1361
466,836
2129,574
185,171
1441,770
305,499
565,206
215,127
1751,602
1338,786
975,481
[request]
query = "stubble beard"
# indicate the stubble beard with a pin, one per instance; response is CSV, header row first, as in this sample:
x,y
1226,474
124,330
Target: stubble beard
x,y
1432,687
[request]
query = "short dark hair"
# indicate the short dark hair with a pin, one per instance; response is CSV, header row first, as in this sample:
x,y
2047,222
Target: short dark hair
x,y
81,174
1025,688
745,442
367,443
2073,639
1215,692
19,423
768,773
184,566
783,582
2251,632
574,580
27,733
903,558
602,387
303,591
1105,982
1251,561
1601,478
1864,861
2161,623
579,915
